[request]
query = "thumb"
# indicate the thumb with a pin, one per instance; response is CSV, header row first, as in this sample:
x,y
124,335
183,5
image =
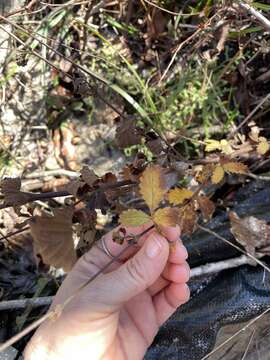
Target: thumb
x,y
139,272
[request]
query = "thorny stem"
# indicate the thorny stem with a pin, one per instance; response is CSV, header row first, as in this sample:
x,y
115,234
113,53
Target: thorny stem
x,y
53,194
53,313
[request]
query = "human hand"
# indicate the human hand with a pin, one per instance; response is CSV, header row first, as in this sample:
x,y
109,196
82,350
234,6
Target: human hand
x,y
116,316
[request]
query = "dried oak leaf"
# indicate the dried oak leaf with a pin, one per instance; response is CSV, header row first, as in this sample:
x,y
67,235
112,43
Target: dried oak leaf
x,y
250,232
13,196
166,216
153,186
127,134
206,206
133,217
179,196
53,238
188,219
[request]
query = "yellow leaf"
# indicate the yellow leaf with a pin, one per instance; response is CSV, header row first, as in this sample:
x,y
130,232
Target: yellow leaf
x,y
235,167
133,217
225,147
263,147
218,174
166,217
153,186
178,196
212,145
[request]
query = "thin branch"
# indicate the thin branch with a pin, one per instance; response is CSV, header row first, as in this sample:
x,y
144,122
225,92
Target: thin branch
x,y
5,237
215,267
235,246
40,196
249,116
259,16
169,11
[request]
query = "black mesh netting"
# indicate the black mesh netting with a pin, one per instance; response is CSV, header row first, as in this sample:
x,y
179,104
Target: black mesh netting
x,y
230,296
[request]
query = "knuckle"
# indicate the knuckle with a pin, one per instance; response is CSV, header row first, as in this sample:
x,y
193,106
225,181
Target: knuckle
x,y
136,271
186,294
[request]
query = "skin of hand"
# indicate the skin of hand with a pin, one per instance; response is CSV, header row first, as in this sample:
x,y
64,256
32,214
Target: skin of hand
x,y
117,316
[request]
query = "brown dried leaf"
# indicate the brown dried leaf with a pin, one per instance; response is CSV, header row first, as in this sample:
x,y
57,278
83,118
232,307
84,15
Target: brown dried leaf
x,y
153,186
178,196
218,174
188,219
207,207
250,232
166,216
74,186
53,238
10,188
88,175
133,217
127,134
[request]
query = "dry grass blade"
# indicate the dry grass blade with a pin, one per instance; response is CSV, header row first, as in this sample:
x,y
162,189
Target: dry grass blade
x,y
236,334
235,246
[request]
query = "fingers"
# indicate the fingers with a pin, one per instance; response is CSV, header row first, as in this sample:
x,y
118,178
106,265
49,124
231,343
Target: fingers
x,y
172,272
139,272
169,299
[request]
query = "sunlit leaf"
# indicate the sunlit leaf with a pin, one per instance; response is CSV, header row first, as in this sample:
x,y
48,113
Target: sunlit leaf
x,y
133,217
178,196
166,216
218,174
263,147
153,186
235,167
212,145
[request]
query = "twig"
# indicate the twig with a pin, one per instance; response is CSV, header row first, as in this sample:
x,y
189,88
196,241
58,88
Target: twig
x,y
248,345
235,246
250,115
5,237
40,196
236,334
221,265
195,272
169,11
56,172
260,17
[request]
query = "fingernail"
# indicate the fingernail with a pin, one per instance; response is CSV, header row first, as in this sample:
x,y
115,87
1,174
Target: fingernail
x,y
153,247
184,251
